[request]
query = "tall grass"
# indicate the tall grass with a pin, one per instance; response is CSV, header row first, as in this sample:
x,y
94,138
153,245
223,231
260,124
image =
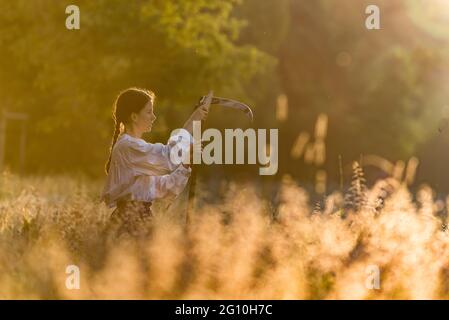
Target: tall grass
x,y
240,248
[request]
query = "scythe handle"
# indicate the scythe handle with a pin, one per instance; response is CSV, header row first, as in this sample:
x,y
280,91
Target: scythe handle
x,y
191,199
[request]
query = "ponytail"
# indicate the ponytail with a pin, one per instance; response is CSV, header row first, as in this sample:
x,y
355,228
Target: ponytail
x,y
114,140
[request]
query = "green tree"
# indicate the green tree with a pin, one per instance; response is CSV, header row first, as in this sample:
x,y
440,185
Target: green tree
x,y
381,88
67,79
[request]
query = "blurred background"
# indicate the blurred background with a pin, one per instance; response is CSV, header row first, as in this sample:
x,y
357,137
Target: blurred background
x,y
336,91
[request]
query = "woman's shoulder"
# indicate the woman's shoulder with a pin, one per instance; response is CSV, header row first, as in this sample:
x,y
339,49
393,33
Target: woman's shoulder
x,y
127,142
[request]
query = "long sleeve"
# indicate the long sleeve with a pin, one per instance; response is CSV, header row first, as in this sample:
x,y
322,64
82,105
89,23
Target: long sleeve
x,y
145,171
157,187
155,158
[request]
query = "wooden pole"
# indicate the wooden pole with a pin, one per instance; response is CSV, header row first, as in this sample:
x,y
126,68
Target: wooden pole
x,y
2,138
22,147
192,188
4,116
193,176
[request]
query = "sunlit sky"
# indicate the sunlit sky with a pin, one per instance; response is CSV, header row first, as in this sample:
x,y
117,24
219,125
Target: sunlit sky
x,y
431,15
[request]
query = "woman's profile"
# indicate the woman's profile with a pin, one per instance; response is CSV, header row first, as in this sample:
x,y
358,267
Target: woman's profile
x,y
139,172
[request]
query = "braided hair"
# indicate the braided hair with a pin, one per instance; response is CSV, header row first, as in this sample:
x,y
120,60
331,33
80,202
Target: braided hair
x,y
128,101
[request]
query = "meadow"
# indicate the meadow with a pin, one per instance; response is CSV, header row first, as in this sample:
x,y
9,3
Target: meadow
x,y
242,248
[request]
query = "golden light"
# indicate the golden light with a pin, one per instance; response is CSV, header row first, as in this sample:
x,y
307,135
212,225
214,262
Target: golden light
x,y
432,16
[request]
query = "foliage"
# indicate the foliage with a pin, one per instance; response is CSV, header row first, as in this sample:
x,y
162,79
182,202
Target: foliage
x,y
67,79
383,90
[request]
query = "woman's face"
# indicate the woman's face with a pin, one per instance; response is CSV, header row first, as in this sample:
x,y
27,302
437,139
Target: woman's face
x,y
145,118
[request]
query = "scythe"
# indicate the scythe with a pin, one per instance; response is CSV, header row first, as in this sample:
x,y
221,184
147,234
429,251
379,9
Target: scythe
x,y
224,102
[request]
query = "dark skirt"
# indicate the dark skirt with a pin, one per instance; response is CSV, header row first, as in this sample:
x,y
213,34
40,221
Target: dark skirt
x,y
130,218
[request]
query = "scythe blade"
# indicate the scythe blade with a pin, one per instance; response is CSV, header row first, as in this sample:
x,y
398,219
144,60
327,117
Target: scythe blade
x,y
230,103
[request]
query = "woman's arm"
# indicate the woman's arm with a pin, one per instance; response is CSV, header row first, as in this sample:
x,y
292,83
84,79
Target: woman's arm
x,y
161,186
199,114
148,158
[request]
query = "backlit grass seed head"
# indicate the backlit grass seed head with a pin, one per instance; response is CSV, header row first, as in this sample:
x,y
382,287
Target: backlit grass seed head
x,y
234,248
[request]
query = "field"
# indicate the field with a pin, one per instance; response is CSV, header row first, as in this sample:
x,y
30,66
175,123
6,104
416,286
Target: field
x,y
241,248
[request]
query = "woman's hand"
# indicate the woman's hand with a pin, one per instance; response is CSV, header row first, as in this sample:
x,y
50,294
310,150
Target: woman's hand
x,y
200,113
187,165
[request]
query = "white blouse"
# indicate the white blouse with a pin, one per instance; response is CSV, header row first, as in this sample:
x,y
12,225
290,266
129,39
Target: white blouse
x,y
143,171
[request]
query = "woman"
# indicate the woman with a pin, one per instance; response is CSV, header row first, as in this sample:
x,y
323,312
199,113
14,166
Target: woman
x,y
139,172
